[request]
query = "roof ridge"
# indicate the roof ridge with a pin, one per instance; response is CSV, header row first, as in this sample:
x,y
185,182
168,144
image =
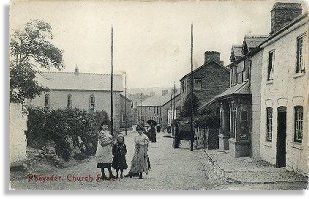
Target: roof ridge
x,y
79,73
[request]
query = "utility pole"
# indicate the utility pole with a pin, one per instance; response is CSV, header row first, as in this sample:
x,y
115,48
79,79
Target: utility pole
x,y
192,87
141,98
112,80
125,103
174,107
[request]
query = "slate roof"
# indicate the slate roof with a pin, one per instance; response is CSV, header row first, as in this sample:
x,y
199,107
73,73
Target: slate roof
x,y
80,81
237,50
239,89
242,88
158,100
254,41
204,65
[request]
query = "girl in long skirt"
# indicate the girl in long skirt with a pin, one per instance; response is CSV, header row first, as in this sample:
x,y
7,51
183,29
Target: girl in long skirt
x,y
140,161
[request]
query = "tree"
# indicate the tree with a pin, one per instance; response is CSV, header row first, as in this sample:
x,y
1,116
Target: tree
x,y
186,110
31,49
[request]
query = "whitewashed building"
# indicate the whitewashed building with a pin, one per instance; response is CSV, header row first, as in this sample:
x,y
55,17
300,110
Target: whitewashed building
x,y
284,90
85,91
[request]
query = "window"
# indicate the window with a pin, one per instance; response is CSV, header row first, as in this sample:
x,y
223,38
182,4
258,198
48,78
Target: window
x,y
197,84
270,71
240,77
91,102
69,101
47,101
244,125
298,123
300,65
233,76
269,123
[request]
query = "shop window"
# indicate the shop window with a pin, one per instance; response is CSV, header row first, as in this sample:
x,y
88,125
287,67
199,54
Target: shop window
x,y
300,65
298,123
244,125
269,123
270,70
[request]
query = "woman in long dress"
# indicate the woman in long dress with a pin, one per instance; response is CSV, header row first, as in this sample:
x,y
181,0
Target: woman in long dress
x,y
104,154
140,161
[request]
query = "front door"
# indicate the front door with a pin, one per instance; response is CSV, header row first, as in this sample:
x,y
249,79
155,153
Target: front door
x,y
281,137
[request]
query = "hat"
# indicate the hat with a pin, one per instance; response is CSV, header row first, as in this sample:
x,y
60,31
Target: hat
x,y
120,135
139,128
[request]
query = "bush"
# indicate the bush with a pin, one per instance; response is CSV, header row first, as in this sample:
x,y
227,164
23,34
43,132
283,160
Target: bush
x,y
74,131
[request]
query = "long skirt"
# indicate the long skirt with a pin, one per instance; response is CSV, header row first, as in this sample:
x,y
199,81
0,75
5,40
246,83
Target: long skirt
x,y
140,161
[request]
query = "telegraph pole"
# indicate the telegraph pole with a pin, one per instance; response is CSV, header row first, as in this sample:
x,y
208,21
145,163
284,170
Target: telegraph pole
x,y
192,87
125,103
112,80
174,103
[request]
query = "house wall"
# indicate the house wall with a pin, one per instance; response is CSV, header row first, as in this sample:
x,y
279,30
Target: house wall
x,y
215,80
287,89
80,100
166,109
18,141
122,109
255,87
146,113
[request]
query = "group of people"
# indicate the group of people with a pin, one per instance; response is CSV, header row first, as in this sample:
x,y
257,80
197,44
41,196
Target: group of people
x,y
112,154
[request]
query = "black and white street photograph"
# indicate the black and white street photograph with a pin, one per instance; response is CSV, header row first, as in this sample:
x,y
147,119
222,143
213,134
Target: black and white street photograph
x,y
158,95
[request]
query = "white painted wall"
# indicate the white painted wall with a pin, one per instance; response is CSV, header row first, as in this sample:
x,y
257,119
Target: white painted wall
x,y
18,141
80,100
285,90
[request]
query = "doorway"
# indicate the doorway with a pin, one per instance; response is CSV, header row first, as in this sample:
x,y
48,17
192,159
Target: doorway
x,y
281,137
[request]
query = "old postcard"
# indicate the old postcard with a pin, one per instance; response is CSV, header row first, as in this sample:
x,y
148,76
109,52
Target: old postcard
x,y
158,95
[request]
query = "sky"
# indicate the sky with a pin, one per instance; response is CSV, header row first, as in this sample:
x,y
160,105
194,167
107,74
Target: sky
x,y
151,39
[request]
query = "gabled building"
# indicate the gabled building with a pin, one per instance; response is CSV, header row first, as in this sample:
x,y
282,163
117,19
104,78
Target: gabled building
x,y
284,89
210,79
85,91
240,103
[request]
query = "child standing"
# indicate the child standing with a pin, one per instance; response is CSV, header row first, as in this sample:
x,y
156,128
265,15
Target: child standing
x,y
104,152
119,153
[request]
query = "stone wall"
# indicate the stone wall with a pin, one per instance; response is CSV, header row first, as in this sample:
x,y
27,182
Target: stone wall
x,y
18,141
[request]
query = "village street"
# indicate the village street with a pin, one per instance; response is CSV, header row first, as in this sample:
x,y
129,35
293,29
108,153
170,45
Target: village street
x,y
171,169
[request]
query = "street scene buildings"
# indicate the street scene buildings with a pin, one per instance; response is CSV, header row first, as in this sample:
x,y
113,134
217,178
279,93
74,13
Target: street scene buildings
x,y
242,122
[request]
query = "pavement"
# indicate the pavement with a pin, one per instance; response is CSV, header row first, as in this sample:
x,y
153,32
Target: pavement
x,y
246,171
172,169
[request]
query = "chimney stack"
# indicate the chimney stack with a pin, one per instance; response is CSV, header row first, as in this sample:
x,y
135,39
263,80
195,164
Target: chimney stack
x,y
283,13
164,92
76,71
212,56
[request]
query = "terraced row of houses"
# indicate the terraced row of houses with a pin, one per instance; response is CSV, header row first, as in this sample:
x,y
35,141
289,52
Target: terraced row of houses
x,y
260,98
263,112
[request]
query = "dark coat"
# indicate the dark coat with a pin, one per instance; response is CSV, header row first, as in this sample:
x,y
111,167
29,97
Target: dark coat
x,y
119,153
152,134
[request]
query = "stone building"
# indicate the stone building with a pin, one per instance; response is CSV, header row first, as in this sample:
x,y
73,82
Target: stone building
x,y
150,108
210,79
284,89
167,109
85,91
